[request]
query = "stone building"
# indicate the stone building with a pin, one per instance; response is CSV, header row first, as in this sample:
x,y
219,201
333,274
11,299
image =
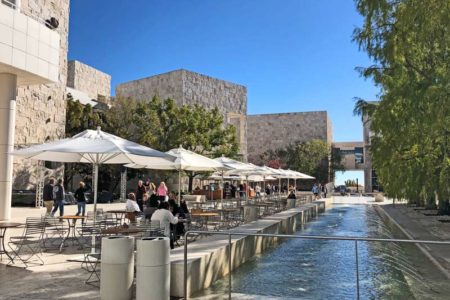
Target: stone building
x,y
274,131
188,88
33,68
88,80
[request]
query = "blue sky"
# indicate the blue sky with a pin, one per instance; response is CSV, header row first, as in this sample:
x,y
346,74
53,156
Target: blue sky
x,y
293,55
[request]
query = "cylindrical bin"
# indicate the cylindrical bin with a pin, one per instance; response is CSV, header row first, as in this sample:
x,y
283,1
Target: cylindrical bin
x,y
250,213
290,203
117,268
153,268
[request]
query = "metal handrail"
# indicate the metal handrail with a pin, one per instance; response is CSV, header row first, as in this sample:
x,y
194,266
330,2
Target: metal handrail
x,y
290,236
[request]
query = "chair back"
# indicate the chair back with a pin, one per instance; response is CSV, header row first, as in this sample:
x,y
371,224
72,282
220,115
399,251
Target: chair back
x,y
131,216
34,226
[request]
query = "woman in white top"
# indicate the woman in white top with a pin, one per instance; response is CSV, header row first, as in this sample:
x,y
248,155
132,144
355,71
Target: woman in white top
x,y
131,205
165,218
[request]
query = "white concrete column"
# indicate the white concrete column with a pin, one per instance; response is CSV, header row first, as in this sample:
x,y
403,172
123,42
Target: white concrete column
x,y
8,92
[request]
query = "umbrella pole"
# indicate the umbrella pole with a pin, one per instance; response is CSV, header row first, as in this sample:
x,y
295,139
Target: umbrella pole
x,y
95,182
223,190
179,187
279,188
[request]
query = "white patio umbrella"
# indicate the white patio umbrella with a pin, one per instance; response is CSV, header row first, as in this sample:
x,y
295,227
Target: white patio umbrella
x,y
95,147
185,161
235,168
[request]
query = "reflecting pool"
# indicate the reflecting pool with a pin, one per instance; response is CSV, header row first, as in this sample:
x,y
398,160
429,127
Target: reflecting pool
x,y
312,269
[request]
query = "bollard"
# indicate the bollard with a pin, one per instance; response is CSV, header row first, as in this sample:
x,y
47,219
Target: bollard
x,y
117,268
290,203
250,213
153,268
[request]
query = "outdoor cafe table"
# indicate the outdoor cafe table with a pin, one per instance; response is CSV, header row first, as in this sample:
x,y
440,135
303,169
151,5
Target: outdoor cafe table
x,y
122,230
72,226
119,213
205,215
3,227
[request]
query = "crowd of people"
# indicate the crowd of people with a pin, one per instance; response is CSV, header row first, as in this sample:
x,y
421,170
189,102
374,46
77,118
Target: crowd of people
x,y
157,204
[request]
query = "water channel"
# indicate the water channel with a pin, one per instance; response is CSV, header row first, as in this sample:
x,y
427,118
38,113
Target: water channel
x,y
311,269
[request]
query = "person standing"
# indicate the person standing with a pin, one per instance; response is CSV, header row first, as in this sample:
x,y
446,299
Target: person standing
x,y
58,196
140,191
258,191
315,190
162,192
81,199
48,195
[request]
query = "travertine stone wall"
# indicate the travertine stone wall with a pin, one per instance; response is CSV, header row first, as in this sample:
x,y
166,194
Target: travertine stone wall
x,y
167,85
274,131
40,109
367,156
187,88
88,80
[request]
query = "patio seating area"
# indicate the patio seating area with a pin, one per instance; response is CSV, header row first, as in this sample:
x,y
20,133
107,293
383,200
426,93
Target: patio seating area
x,y
44,244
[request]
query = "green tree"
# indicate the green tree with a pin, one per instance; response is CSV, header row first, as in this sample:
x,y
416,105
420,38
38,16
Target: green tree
x,y
315,158
163,125
408,40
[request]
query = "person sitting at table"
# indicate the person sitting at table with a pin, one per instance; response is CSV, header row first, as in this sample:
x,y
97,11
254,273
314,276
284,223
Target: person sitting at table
x,y
183,207
131,205
165,218
177,229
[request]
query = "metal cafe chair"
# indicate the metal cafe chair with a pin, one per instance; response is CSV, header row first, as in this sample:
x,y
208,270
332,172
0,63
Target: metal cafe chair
x,y
28,245
54,232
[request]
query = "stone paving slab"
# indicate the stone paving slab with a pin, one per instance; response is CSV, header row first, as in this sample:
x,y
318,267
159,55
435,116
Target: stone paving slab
x,y
420,227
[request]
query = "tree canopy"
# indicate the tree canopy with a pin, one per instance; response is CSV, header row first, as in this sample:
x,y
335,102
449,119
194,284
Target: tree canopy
x,y
315,158
408,41
161,125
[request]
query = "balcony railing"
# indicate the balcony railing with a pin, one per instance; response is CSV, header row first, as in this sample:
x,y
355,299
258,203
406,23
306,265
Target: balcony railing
x,y
10,3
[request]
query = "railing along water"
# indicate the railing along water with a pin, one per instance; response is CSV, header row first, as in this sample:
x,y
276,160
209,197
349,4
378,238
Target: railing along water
x,y
288,236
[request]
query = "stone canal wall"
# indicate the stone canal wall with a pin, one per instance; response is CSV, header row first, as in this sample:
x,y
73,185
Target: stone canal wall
x,y
208,257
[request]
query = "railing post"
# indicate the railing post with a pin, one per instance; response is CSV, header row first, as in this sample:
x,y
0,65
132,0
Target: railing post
x,y
185,265
357,269
229,265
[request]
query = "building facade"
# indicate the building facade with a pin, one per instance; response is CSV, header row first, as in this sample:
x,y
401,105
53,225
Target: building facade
x,y
276,131
189,88
84,78
33,68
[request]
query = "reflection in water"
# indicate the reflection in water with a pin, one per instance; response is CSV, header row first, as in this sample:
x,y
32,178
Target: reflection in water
x,y
312,269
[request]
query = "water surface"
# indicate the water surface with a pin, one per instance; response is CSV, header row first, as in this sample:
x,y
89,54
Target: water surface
x,y
312,269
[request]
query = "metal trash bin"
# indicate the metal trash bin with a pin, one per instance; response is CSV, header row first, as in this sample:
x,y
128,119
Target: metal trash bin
x,y
250,213
153,268
117,268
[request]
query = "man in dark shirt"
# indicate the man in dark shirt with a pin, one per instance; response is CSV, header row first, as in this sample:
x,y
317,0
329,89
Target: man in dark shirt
x,y
48,195
58,196
140,191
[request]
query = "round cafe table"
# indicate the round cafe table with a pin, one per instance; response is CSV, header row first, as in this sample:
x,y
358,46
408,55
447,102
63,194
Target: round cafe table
x,y
72,226
3,227
205,215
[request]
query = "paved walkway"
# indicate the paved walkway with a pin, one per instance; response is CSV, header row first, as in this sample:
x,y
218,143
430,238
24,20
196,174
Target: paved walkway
x,y
58,278
421,227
